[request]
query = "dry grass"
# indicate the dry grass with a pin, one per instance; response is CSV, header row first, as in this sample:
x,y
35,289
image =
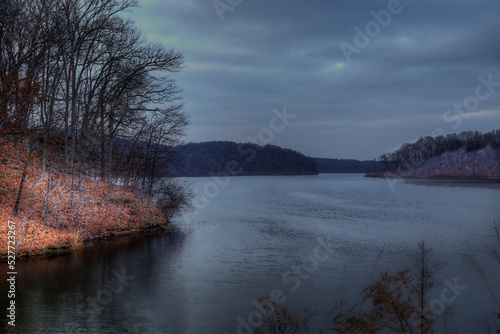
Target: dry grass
x,y
52,215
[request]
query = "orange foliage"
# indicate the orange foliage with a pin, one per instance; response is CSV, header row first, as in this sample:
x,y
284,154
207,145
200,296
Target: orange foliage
x,y
17,96
65,218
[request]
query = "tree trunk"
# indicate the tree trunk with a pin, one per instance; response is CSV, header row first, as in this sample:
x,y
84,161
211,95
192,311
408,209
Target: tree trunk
x,y
20,191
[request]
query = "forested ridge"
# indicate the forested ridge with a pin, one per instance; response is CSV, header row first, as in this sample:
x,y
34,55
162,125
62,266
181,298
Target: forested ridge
x,y
202,159
347,165
467,154
88,108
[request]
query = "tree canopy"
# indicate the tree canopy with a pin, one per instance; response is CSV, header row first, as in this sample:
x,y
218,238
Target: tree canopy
x,y
207,158
415,154
77,77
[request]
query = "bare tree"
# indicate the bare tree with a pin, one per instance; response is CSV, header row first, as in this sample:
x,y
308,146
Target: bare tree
x,y
80,79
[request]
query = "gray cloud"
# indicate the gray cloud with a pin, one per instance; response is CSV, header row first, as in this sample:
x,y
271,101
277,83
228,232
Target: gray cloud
x,y
268,54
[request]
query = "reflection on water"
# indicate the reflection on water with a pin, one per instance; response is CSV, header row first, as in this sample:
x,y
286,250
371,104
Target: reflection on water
x,y
88,291
469,183
254,238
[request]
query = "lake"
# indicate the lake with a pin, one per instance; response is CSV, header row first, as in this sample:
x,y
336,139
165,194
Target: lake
x,y
308,240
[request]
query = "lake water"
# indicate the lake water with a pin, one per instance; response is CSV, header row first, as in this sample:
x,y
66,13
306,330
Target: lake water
x,y
309,240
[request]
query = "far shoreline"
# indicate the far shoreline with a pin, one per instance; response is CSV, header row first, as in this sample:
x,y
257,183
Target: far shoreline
x,y
434,177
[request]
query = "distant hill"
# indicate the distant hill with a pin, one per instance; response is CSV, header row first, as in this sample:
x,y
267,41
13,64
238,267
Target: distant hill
x,y
347,166
219,157
470,154
224,157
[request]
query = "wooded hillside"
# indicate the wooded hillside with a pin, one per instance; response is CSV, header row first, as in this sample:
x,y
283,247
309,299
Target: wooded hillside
x,y
202,159
468,154
87,108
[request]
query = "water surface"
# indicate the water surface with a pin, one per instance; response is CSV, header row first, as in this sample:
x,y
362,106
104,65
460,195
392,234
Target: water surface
x,y
247,240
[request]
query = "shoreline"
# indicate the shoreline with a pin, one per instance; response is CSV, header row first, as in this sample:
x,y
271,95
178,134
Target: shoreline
x,y
225,174
434,177
63,249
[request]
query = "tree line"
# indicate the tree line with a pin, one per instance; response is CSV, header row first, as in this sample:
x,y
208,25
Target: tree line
x,y
347,166
82,89
415,154
203,159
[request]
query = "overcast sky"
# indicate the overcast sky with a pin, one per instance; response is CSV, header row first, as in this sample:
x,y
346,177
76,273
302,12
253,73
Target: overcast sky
x,y
361,77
